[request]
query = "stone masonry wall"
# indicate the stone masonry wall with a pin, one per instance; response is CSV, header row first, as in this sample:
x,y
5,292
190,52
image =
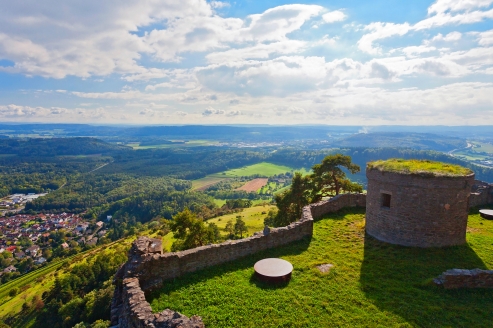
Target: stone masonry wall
x,y
481,194
460,278
148,268
424,211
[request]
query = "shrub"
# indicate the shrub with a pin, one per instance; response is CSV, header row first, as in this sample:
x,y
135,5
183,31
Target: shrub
x,y
13,292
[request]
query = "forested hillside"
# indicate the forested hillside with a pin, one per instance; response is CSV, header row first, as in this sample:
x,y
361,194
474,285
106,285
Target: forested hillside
x,y
419,141
57,147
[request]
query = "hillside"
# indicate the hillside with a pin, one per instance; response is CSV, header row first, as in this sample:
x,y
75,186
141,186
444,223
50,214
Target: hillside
x,y
371,283
57,147
421,141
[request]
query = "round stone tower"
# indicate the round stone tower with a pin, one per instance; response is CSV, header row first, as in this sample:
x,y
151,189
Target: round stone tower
x,y
418,203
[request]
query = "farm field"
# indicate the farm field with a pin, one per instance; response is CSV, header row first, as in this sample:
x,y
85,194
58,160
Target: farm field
x,y
470,155
265,169
483,147
254,185
204,183
372,284
253,217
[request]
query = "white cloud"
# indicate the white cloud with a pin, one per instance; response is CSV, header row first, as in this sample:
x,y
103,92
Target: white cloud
x,y
234,113
486,38
441,6
258,51
452,36
219,4
379,31
211,111
273,66
326,40
413,51
443,12
334,16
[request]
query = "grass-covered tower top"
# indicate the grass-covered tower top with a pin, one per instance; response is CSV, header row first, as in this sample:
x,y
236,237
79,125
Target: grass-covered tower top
x,y
419,167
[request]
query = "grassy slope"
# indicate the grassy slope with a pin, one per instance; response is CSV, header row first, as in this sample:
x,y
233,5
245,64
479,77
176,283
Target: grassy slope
x,y
372,284
41,280
265,169
253,217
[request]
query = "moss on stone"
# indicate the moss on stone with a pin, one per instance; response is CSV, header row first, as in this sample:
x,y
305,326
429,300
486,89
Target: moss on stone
x,y
420,167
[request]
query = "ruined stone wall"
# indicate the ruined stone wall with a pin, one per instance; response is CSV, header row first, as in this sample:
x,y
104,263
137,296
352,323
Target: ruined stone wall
x,y
481,194
424,211
460,278
148,268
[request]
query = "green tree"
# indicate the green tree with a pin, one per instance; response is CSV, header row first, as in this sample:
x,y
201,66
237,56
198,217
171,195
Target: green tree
x,y
240,226
291,202
329,179
213,233
190,231
230,228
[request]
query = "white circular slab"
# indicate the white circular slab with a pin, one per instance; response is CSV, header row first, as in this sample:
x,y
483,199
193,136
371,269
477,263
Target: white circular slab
x,y
273,267
487,214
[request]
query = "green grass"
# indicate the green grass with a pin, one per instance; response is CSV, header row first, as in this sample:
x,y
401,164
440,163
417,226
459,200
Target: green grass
x,y
372,284
483,147
470,155
253,217
264,169
415,166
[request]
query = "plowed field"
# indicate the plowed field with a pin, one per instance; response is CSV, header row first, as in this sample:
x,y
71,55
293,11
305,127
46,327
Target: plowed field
x,y
254,185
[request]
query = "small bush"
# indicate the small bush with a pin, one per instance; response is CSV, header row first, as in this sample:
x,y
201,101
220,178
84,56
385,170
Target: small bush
x,y
13,292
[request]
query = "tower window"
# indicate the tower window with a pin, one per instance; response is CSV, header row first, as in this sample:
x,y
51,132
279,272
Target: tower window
x,y
386,200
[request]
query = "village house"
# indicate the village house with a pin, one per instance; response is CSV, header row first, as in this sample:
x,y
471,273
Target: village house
x,y
33,251
10,269
40,260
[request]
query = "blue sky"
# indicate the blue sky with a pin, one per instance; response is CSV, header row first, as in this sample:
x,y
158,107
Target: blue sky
x,y
233,62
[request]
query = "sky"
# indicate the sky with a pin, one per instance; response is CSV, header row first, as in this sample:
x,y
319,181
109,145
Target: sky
x,y
352,62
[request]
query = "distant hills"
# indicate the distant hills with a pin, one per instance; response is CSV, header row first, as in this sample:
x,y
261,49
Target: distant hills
x,y
420,141
57,147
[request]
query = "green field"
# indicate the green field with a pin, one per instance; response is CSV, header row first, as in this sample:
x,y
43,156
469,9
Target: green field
x,y
263,169
253,217
483,147
372,284
470,155
207,181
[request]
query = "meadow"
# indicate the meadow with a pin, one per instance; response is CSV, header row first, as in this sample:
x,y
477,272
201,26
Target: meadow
x,y
483,147
371,284
253,217
262,169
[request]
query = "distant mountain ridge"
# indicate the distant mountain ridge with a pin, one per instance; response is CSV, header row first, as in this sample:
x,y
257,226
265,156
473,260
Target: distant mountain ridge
x,y
420,141
57,146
